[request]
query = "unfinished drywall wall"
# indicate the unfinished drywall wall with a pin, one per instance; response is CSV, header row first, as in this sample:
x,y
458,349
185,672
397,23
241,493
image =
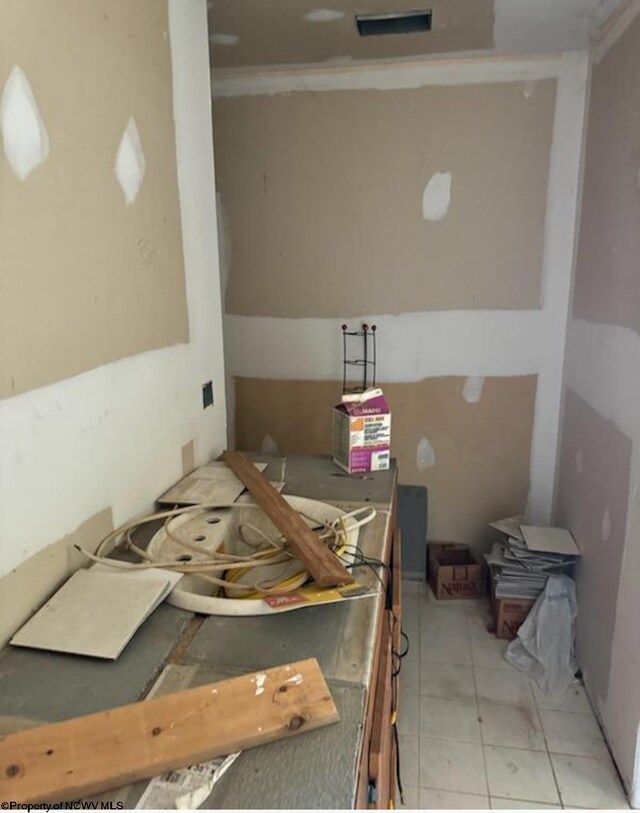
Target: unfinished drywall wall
x,y
471,453
600,463
331,184
419,344
91,236
112,439
253,32
593,488
611,210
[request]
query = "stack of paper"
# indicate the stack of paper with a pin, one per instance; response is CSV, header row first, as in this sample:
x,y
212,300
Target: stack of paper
x,y
527,555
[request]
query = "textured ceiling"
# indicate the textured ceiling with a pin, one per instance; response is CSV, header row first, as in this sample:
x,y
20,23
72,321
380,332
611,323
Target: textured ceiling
x,y
289,32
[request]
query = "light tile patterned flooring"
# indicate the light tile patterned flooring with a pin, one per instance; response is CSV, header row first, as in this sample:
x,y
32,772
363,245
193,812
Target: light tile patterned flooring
x,y
476,733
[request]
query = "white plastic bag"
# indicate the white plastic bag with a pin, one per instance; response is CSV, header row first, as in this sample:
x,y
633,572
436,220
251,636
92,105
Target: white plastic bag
x,y
544,648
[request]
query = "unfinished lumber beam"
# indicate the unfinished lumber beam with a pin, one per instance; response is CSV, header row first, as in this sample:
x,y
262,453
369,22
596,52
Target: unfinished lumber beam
x,y
323,565
87,755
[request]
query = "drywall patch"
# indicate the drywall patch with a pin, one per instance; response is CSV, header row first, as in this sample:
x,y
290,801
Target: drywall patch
x,y
436,197
323,15
425,454
25,138
472,389
606,524
224,39
130,162
269,446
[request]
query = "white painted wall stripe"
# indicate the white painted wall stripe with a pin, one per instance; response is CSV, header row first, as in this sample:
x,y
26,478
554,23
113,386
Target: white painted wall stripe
x,y
603,368
390,75
411,346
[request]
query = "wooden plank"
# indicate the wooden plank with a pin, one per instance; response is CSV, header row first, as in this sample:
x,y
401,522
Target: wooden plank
x,y
323,565
382,731
92,754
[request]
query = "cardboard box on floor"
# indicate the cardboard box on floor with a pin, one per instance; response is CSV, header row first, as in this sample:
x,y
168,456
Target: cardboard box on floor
x,y
507,613
454,571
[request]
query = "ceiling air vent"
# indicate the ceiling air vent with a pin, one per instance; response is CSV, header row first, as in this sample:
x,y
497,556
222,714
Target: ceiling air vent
x,y
404,22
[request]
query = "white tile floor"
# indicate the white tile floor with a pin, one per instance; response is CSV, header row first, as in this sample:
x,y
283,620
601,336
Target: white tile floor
x,y
476,733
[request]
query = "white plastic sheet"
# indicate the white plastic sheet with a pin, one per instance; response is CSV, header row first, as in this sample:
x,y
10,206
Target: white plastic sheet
x,y
545,646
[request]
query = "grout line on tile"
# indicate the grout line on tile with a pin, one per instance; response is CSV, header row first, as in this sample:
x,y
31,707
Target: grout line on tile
x,y
482,744
546,745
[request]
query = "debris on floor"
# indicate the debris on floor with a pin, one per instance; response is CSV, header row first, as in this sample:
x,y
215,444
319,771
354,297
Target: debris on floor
x,y
520,565
545,645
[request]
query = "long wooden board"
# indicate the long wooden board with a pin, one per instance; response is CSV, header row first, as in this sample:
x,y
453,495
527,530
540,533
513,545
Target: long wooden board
x,y
88,755
323,565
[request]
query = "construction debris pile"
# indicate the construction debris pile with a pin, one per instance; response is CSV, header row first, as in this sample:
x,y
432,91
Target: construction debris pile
x,y
522,561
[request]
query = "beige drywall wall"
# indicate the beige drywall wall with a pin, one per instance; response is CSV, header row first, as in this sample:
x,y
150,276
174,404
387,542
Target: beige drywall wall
x,y
122,433
254,32
599,476
479,450
609,237
323,203
86,278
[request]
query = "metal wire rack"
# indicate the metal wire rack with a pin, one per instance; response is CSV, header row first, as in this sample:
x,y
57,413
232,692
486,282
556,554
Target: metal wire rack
x,y
367,363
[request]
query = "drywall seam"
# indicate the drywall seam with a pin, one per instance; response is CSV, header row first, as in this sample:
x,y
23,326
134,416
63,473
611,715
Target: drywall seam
x,y
525,27
412,346
634,799
323,15
599,362
613,28
112,435
391,76
561,223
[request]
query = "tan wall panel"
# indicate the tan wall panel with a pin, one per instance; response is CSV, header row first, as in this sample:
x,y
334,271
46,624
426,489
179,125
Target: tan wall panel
x,y
85,278
276,32
481,470
323,196
607,287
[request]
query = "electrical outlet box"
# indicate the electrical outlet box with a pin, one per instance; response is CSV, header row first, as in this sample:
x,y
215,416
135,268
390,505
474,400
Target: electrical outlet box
x,y
207,394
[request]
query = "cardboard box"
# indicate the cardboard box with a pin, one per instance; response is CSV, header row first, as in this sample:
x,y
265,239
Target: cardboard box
x,y
454,571
362,432
507,613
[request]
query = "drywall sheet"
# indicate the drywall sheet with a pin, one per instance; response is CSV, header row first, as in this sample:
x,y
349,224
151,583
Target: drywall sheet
x,y
472,457
252,32
213,484
24,589
593,489
87,277
549,540
95,613
330,198
607,285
